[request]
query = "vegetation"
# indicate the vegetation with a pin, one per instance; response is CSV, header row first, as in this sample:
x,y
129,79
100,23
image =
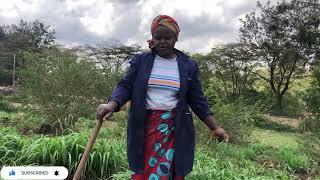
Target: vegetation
x,y
272,73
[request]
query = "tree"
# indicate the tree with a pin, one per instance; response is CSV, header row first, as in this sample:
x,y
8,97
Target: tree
x,y
233,65
31,36
15,39
228,67
286,36
113,57
206,70
6,65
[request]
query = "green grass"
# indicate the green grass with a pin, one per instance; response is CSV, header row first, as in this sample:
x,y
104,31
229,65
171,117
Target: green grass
x,y
108,157
275,138
24,122
271,155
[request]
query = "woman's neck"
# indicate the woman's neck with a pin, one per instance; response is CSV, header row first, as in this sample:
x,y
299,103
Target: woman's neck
x,y
171,56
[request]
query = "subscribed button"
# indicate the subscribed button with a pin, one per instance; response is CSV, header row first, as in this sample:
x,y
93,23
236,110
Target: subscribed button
x,y
34,172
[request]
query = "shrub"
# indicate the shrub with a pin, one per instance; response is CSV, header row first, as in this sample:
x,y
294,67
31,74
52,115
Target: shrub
x,y
313,101
309,144
237,118
293,105
63,87
5,104
25,122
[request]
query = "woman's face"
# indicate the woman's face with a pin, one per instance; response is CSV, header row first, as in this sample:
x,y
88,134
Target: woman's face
x,y
164,41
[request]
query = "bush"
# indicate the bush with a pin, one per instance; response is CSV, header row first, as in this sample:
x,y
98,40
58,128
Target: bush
x,y
311,123
237,118
292,105
63,87
25,123
5,104
313,101
309,144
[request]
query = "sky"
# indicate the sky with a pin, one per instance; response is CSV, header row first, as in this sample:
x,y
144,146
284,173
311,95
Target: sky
x,y
203,23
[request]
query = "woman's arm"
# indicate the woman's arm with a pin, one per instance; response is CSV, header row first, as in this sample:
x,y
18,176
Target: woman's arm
x,y
211,122
199,105
122,93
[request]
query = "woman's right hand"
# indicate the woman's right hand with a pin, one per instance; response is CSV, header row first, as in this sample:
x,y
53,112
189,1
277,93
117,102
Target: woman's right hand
x,y
105,111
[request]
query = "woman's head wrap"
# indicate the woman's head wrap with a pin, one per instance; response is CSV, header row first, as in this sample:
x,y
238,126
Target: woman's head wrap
x,y
167,21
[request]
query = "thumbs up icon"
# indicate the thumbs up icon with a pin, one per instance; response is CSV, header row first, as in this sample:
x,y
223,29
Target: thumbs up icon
x,y
12,173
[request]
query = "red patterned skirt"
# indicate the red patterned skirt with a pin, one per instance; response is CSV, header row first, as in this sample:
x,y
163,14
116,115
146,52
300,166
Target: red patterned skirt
x,y
158,147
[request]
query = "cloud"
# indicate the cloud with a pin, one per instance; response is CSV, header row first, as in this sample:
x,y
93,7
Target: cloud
x,y
203,23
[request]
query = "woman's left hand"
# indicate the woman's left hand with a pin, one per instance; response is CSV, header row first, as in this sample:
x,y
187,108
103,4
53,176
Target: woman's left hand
x,y
220,134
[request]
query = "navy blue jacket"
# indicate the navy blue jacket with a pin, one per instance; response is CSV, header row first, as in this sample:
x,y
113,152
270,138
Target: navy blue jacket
x,y
134,87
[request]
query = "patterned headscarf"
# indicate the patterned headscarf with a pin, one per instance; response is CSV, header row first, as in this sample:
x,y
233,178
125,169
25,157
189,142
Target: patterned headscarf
x,y
164,20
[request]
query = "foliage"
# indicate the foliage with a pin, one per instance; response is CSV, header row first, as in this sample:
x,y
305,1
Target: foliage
x,y
63,87
231,66
237,118
310,145
214,91
6,65
113,56
17,38
5,104
107,157
108,160
313,101
205,68
286,38
25,122
313,93
27,35
293,162
293,105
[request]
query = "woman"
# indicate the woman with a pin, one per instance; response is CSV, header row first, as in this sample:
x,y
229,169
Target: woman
x,y
162,84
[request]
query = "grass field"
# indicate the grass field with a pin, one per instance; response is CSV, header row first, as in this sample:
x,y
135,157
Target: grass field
x,y
272,153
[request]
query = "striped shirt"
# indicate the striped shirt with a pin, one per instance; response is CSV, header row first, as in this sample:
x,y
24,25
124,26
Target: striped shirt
x,y
163,84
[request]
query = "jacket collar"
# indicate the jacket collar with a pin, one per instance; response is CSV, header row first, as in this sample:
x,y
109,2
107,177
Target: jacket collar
x,y
176,51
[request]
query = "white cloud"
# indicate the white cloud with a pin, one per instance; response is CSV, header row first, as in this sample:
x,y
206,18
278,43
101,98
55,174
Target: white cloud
x,y
204,23
101,22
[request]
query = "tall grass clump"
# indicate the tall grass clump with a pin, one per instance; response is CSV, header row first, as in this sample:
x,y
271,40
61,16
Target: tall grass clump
x,y
107,157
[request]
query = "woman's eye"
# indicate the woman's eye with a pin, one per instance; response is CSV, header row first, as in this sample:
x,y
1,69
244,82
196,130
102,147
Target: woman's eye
x,y
164,37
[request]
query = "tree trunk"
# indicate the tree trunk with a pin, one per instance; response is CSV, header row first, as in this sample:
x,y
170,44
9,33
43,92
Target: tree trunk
x,y
279,101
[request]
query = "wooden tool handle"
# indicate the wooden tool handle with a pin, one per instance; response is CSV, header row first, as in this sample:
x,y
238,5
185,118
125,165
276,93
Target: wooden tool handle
x,y
86,153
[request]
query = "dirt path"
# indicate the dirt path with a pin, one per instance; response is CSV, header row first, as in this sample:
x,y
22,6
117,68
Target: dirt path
x,y
293,122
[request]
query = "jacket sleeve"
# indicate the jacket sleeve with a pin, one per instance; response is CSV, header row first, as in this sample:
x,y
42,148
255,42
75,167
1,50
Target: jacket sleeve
x,y
195,97
123,91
